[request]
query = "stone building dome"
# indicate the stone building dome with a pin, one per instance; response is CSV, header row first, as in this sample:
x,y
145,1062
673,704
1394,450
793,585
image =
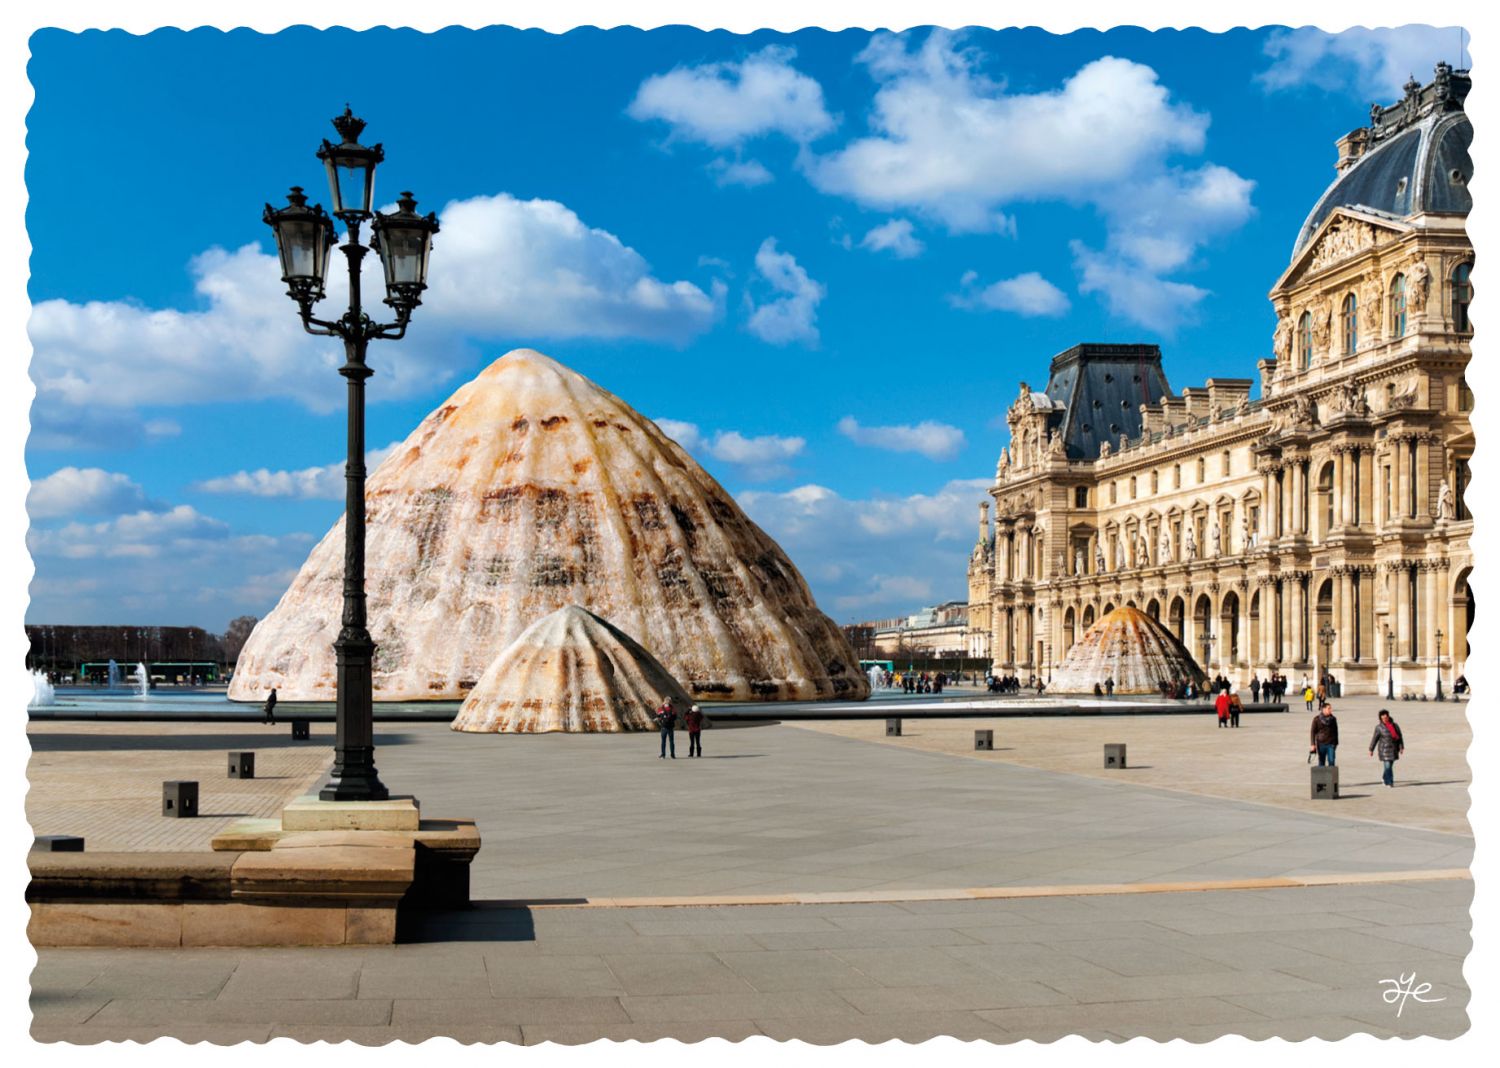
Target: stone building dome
x,y
1413,158
1130,647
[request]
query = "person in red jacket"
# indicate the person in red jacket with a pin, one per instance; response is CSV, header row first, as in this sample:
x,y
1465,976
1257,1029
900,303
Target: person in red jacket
x,y
694,720
1221,705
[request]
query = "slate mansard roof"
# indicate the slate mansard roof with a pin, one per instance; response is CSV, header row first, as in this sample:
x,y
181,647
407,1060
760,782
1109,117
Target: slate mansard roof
x,y
1101,389
1413,158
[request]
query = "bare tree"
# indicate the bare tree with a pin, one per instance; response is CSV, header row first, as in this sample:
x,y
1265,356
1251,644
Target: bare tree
x,y
235,636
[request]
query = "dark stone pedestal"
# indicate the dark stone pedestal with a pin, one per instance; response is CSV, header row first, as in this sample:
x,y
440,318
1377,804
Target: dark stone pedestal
x,y
57,843
1325,783
984,740
1114,754
893,728
179,798
241,765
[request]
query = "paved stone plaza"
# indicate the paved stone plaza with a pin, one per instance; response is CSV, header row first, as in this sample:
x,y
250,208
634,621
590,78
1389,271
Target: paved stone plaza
x,y
898,842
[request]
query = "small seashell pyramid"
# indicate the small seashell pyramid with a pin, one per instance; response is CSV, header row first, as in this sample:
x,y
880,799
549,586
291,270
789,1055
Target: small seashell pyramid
x,y
1130,647
569,671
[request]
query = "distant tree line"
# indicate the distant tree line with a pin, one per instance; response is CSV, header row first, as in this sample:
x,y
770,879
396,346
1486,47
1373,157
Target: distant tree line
x,y
62,648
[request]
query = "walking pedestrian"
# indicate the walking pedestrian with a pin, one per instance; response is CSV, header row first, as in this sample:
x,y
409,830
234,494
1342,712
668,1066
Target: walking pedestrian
x,y
666,722
1255,688
694,720
1235,705
271,707
1390,742
1109,686
1221,705
1308,695
1324,735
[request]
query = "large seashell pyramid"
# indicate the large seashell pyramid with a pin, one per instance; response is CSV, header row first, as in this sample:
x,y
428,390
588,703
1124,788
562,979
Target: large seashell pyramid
x,y
570,671
1130,647
529,489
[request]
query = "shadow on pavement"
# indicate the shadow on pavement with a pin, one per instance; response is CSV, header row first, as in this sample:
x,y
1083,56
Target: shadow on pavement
x,y
484,922
43,742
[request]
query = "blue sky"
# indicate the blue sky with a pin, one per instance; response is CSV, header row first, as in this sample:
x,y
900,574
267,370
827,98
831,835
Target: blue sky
x,y
823,260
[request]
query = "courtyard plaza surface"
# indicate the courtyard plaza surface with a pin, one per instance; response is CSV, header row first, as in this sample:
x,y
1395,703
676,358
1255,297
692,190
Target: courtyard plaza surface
x,y
907,855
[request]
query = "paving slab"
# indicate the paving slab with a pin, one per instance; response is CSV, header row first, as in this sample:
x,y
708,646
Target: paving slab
x,y
1190,985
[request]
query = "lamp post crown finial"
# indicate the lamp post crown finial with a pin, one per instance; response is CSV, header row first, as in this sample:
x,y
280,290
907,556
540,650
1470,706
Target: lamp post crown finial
x,y
349,126
297,197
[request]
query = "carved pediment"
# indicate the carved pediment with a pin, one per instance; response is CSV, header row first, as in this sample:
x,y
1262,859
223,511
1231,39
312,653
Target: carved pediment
x,y
1345,234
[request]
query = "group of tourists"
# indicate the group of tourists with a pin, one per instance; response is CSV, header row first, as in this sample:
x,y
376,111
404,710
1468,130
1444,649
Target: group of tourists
x,y
665,717
1387,743
1179,689
921,682
1011,684
1274,688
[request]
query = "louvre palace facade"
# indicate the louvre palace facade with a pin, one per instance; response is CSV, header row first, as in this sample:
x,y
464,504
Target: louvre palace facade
x,y
1321,524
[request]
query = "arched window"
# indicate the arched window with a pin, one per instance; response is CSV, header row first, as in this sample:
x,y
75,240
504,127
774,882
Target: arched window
x,y
1226,460
1398,306
1304,340
1202,470
1325,495
1155,482
1462,294
1351,324
1080,497
1132,487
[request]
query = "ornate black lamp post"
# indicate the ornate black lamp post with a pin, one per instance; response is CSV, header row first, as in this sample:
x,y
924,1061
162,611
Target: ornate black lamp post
x,y
1390,665
1439,637
304,239
1327,633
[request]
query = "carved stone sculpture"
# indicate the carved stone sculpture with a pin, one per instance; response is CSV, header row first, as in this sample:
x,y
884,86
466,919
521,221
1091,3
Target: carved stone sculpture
x,y
1190,543
1099,557
1445,500
1322,326
1142,551
1164,547
1078,562
530,489
1216,538
1419,283
1120,554
1281,340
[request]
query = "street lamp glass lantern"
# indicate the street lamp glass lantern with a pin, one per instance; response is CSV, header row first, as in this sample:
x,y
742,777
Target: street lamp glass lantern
x,y
304,238
404,241
351,169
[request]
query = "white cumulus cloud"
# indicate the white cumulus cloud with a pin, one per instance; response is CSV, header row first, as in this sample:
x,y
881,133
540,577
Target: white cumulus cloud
x,y
1369,64
502,268
895,237
936,441
748,173
757,458
175,563
791,317
726,104
80,491
325,483
878,556
1027,294
953,144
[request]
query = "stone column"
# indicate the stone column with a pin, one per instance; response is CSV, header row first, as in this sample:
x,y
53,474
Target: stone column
x,y
1424,477
1294,601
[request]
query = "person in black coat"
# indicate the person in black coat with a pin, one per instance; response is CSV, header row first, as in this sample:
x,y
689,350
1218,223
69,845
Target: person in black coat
x,y
666,722
271,708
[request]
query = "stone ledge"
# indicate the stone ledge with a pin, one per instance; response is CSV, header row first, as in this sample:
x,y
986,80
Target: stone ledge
x,y
336,872
207,923
310,813
153,877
